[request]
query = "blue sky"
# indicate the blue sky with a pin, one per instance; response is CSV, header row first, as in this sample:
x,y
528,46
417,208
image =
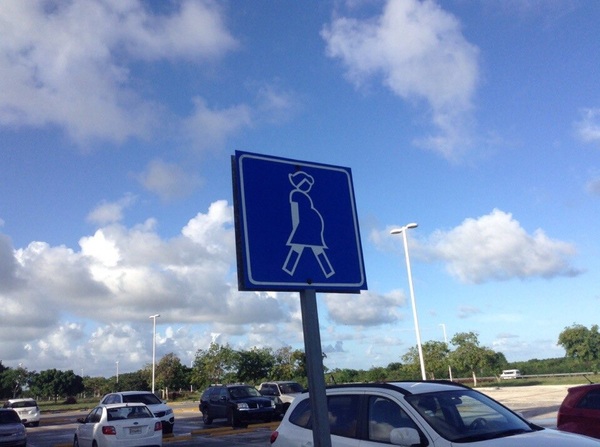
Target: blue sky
x,y
480,121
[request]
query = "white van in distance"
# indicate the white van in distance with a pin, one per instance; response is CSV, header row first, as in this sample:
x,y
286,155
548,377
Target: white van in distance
x,y
511,374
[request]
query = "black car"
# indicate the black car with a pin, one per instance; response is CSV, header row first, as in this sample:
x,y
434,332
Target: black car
x,y
238,403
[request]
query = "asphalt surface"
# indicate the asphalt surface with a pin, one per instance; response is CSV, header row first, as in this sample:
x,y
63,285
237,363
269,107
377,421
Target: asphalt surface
x,y
538,404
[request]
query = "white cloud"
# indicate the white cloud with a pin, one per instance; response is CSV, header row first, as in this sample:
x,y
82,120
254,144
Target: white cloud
x,y
420,53
496,247
68,64
209,128
168,180
588,126
110,212
365,309
119,277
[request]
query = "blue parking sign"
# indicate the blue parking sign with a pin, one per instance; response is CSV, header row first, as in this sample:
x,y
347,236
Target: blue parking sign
x,y
296,226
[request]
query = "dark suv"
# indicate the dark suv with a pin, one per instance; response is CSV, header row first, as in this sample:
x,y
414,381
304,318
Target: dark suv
x,y
238,403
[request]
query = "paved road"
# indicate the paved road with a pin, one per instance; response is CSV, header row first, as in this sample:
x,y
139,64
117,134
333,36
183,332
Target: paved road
x,y
537,403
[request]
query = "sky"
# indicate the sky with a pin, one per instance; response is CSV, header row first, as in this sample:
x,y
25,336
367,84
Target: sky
x,y
478,120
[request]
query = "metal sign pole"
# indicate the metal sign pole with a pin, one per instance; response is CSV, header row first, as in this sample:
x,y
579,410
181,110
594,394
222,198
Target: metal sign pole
x,y
314,362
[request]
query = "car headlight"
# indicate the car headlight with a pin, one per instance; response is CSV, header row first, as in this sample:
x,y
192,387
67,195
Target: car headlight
x,y
273,404
242,406
169,411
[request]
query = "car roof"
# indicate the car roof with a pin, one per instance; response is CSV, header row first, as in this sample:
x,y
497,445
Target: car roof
x,y
409,387
590,386
131,392
125,404
27,399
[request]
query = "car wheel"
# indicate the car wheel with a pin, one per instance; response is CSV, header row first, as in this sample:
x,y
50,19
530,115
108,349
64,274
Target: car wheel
x,y
75,441
233,419
205,417
167,429
35,424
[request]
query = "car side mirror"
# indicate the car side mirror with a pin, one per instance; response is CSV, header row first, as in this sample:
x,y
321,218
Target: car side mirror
x,y
81,420
405,437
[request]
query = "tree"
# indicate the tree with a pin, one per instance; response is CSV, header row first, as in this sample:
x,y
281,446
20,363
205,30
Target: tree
x,y
54,383
255,365
288,364
217,364
469,356
435,357
580,342
13,381
170,373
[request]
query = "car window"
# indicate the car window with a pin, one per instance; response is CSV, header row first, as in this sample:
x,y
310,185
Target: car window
x,y
94,415
466,416
384,416
111,399
9,417
143,398
240,392
590,401
114,414
342,410
23,404
290,388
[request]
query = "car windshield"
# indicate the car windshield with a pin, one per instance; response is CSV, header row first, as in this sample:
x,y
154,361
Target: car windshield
x,y
467,416
243,391
9,417
142,398
290,388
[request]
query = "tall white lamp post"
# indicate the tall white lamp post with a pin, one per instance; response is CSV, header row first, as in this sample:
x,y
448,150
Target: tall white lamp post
x,y
412,293
446,341
154,317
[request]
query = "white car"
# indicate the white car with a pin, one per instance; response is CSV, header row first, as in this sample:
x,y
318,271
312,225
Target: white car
x,y
417,414
157,406
27,409
123,425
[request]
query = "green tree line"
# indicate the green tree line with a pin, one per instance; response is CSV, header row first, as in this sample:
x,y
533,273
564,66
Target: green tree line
x,y
463,356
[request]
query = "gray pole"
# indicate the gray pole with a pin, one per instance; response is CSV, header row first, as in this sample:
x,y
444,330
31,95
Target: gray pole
x,y
314,362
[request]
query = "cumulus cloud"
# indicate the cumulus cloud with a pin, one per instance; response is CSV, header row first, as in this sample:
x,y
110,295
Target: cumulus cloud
x,y
365,309
168,180
118,277
110,212
588,125
209,128
69,64
496,247
419,52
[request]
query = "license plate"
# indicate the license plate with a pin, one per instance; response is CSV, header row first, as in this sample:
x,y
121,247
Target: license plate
x,y
135,430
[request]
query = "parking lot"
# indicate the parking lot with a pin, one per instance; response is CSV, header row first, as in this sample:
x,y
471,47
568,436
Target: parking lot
x,y
537,403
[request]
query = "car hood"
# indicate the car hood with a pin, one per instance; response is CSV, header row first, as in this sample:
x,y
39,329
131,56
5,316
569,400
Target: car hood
x,y
546,438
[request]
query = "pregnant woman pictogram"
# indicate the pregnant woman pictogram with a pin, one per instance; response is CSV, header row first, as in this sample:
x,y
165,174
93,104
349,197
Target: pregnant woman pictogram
x,y
307,226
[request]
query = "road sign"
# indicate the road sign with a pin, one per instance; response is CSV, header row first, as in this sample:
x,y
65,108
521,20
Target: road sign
x,y
296,225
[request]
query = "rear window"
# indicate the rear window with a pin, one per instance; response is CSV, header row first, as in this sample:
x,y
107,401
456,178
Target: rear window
x,y
9,417
115,414
23,404
591,400
143,398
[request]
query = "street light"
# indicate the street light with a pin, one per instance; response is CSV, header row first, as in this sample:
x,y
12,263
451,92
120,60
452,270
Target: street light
x,y
154,317
412,293
446,341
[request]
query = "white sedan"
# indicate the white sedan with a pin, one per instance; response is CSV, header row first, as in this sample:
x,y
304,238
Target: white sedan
x,y
123,425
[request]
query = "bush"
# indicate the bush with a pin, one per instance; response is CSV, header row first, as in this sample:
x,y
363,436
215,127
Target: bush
x,y
71,400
